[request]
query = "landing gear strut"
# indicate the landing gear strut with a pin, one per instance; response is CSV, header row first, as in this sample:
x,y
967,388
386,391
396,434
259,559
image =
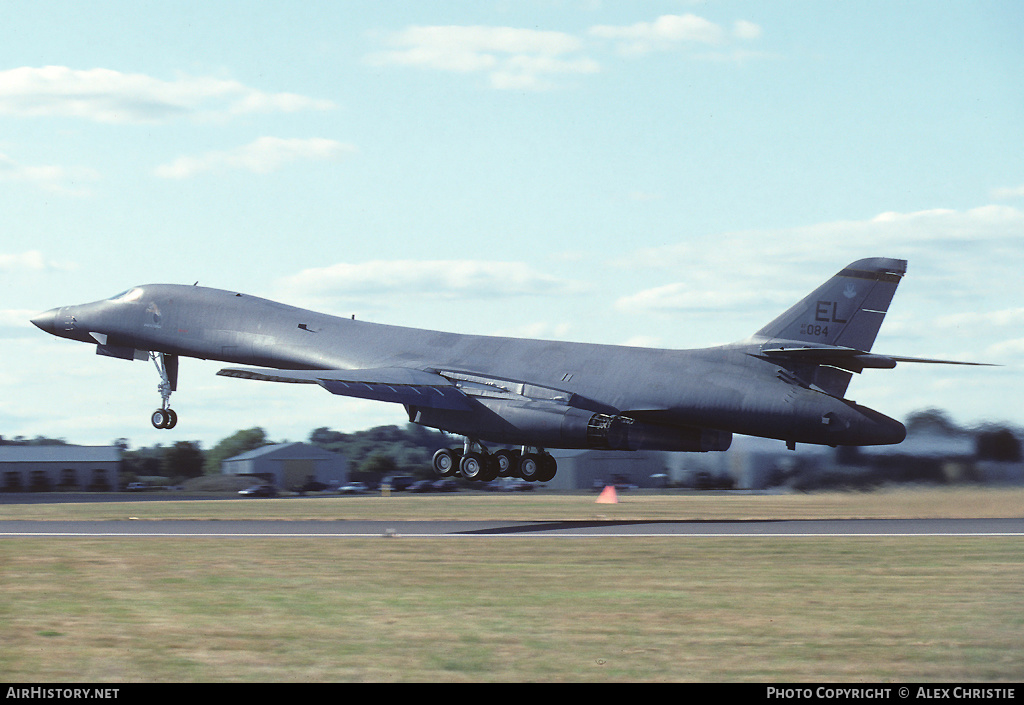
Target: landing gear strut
x,y
167,367
474,462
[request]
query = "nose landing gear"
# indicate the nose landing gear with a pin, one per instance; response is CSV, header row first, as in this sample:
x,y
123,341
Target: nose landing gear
x,y
167,367
164,418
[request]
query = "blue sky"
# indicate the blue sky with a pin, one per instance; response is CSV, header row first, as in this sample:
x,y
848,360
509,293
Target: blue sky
x,y
666,173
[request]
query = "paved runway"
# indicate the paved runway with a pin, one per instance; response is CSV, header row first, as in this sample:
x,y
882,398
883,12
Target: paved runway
x,y
469,529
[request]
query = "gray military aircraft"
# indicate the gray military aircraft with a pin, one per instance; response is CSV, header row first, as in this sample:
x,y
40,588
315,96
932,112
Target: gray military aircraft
x,y
786,382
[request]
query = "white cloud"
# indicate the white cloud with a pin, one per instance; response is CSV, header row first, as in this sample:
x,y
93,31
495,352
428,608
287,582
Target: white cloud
x,y
980,231
671,31
683,296
30,261
110,96
1008,192
484,41
963,267
666,31
1006,350
529,59
16,323
261,156
513,58
441,278
529,72
59,179
746,30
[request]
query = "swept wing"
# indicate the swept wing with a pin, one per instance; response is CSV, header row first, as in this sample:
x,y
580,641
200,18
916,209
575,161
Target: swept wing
x,y
402,385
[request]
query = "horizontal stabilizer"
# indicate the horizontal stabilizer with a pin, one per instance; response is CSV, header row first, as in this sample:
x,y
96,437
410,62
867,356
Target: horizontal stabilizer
x,y
401,385
849,359
943,362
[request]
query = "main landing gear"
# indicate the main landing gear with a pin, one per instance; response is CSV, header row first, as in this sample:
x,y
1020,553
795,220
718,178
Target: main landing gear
x,y
167,367
474,462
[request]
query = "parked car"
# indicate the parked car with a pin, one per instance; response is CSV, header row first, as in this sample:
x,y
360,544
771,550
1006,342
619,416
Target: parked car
x,y
422,486
446,485
509,484
137,487
354,488
398,483
707,481
622,482
259,491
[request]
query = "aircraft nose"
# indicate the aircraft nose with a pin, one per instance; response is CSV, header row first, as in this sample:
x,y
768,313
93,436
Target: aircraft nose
x,y
47,321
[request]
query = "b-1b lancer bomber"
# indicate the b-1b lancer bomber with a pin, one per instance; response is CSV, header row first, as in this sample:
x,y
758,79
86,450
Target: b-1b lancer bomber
x,y
786,382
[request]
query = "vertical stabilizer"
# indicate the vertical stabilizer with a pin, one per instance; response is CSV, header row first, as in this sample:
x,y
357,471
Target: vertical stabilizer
x,y
846,311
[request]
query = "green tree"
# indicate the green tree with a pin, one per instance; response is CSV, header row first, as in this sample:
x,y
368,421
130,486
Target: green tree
x,y
235,444
998,444
327,438
409,450
37,441
183,459
379,463
932,421
142,462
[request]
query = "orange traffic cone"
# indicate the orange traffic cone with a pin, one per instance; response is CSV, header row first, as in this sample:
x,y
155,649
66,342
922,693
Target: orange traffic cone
x,y
607,496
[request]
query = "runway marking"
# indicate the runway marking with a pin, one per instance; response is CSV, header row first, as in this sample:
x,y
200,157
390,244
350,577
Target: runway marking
x,y
646,529
510,534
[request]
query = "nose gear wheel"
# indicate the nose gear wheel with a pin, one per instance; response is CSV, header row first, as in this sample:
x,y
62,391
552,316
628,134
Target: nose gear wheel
x,y
164,418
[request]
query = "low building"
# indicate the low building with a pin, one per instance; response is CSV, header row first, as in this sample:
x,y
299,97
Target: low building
x,y
289,465
995,472
586,469
59,467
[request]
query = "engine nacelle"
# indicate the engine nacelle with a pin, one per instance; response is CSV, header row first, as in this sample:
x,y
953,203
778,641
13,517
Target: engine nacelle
x,y
624,433
548,425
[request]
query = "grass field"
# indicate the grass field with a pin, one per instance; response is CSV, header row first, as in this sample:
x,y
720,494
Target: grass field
x,y
967,502
519,609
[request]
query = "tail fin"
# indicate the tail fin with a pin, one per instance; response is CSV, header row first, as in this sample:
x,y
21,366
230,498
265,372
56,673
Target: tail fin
x,y
845,311
827,337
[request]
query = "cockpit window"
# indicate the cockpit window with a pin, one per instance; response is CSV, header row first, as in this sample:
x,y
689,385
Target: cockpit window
x,y
128,296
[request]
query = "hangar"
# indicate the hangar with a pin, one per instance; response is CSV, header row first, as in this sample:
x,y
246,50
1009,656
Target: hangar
x,y
587,469
66,467
289,465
